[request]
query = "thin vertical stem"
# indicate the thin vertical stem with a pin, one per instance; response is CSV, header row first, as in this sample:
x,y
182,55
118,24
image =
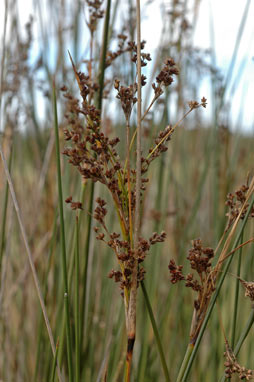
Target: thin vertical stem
x,y
77,316
236,297
156,333
10,157
129,181
98,104
63,246
54,363
103,55
131,322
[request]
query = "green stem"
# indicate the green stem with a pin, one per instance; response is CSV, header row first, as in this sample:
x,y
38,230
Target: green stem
x,y
156,333
84,276
244,333
54,364
102,66
98,104
77,317
186,359
237,285
63,246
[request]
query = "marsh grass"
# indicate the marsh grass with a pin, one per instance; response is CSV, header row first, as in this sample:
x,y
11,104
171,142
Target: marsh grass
x,y
185,197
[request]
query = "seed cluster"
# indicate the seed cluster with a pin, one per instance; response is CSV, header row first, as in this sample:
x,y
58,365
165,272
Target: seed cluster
x,y
249,289
74,205
235,201
200,261
125,254
233,367
165,77
95,13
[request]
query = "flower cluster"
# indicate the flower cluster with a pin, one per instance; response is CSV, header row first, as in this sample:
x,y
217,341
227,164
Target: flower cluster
x,y
233,367
95,13
200,258
125,254
235,202
160,147
200,261
126,257
144,56
165,77
196,104
127,96
74,205
249,289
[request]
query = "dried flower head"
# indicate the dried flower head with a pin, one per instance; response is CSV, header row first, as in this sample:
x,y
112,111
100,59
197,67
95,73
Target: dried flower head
x,y
127,96
95,13
235,202
74,205
200,260
249,289
165,77
233,367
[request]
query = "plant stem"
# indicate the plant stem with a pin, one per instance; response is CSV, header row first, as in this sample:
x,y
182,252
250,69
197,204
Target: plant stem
x,y
77,316
156,333
236,297
103,56
63,246
131,319
98,104
185,362
54,363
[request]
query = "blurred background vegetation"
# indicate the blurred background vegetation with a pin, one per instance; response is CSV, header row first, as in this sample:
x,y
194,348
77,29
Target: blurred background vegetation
x,y
206,159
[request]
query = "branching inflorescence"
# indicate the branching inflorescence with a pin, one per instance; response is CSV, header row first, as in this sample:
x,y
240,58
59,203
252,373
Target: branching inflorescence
x,y
96,158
